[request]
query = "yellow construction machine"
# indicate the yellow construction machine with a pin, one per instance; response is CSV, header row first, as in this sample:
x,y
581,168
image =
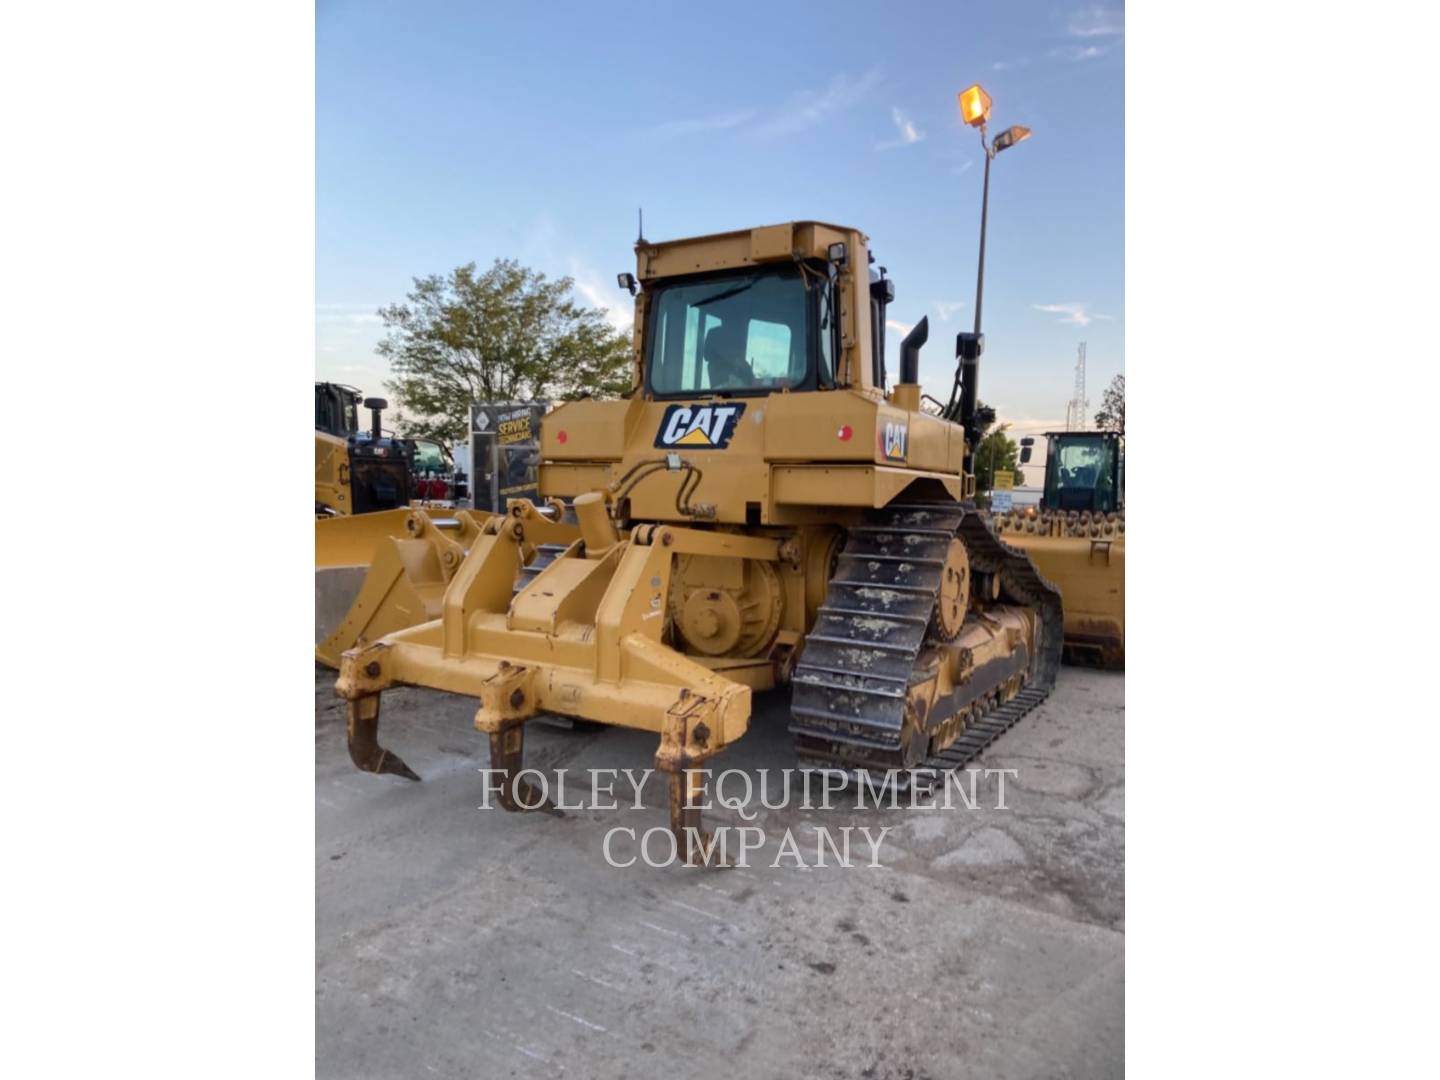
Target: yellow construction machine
x,y
1077,538
356,472
757,511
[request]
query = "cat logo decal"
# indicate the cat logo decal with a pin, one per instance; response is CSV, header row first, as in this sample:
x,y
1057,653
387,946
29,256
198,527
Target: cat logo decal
x,y
698,427
892,441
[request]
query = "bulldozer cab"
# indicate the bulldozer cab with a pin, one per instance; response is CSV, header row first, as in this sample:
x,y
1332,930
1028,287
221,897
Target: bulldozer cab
x,y
741,334
1084,470
335,409
757,390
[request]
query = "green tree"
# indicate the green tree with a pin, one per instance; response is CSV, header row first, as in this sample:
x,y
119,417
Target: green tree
x,y
1111,414
508,334
997,452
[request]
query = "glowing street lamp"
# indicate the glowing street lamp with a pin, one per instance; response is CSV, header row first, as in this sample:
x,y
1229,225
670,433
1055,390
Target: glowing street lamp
x,y
975,106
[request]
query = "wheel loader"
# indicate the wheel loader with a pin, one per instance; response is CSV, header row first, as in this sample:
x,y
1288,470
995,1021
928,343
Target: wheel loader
x,y
1077,539
758,511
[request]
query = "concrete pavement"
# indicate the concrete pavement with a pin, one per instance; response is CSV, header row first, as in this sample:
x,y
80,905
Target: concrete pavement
x,y
459,942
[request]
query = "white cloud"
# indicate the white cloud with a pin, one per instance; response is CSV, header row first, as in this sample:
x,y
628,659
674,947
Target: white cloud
x,y
588,284
1009,65
1030,425
804,109
1096,21
946,308
907,133
963,167
346,321
346,317
1076,53
715,122
810,107
1075,314
898,326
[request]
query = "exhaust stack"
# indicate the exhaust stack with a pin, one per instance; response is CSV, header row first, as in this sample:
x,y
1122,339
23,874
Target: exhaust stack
x,y
906,394
910,351
376,405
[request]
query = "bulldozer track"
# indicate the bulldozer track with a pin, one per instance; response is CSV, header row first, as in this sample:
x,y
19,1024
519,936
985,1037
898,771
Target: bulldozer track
x,y
874,638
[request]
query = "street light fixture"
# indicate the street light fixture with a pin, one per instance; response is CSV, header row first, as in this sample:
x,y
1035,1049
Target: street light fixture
x,y
1009,137
975,105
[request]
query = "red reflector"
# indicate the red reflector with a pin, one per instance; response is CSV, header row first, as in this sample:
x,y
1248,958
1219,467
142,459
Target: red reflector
x,y
845,432
560,438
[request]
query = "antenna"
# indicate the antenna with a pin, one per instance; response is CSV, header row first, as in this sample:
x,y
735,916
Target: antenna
x,y
1075,411
641,238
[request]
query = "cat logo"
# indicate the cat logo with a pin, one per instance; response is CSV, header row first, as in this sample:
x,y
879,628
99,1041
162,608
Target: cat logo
x,y
892,441
707,427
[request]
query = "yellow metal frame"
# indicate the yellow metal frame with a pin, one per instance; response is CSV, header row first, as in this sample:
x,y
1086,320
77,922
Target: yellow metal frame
x,y
534,655
411,555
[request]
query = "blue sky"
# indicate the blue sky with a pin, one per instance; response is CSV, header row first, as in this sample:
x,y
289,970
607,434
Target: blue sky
x,y
447,133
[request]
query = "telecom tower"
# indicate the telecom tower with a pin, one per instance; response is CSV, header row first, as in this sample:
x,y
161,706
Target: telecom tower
x,y
1075,411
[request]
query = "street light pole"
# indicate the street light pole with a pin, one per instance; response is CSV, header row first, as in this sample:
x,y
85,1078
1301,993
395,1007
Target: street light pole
x,y
984,216
975,106
1006,139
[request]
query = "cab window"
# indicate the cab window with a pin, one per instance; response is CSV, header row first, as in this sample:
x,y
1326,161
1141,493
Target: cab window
x,y
734,333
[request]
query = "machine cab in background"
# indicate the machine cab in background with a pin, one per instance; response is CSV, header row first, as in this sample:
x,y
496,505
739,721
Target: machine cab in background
x,y
356,471
1084,470
335,409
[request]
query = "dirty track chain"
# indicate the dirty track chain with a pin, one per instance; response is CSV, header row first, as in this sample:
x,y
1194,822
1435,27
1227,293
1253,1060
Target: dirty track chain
x,y
849,685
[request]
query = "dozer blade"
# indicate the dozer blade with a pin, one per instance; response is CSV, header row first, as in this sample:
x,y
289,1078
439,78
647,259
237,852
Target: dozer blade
x,y
352,540
379,572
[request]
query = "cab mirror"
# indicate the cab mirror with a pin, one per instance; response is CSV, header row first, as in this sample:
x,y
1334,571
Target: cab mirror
x,y
1025,454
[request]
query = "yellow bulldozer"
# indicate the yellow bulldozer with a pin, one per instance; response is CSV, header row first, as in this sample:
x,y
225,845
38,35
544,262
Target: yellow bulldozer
x,y
356,472
759,510
1077,538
